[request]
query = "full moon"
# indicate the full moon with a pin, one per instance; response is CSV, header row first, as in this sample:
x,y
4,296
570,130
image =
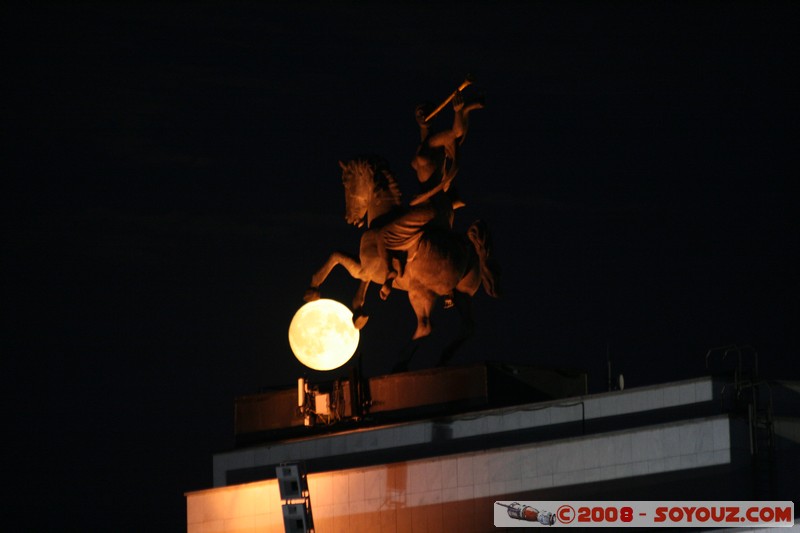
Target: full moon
x,y
322,335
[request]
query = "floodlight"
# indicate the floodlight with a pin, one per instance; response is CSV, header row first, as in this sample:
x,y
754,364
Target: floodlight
x,y
295,518
291,482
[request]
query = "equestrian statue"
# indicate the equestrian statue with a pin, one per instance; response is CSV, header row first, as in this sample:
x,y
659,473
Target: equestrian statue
x,y
414,248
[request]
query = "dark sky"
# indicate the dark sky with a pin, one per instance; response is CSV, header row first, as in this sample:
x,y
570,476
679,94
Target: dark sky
x,y
174,184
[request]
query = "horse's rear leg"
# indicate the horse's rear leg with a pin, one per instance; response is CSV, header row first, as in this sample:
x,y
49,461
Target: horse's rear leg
x,y
463,303
422,301
405,357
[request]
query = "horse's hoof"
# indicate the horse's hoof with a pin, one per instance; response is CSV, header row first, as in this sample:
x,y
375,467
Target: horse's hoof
x,y
311,294
359,321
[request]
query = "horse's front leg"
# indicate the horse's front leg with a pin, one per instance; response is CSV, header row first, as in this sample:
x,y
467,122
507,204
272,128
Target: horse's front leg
x,y
336,258
359,317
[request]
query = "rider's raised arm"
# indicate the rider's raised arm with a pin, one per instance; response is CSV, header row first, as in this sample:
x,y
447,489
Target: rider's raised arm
x,y
460,123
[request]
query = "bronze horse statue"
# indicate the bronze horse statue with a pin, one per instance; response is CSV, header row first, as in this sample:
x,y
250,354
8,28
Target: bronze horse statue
x,y
436,261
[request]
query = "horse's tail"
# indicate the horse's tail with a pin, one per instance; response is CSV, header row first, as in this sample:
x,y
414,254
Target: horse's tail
x,y
478,234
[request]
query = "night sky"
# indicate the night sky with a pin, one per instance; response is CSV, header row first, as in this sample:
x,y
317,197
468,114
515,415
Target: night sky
x,y
174,184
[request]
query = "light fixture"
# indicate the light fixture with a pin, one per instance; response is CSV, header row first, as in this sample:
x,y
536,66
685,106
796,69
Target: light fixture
x,y
293,487
295,518
291,482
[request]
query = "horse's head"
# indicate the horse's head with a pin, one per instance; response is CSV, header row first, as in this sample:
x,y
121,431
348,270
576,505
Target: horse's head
x,y
367,197
357,183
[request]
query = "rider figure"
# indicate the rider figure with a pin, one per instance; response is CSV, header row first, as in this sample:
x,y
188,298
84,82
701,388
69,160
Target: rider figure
x,y
436,160
436,164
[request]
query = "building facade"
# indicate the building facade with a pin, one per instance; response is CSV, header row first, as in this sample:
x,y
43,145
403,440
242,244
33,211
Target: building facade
x,y
701,439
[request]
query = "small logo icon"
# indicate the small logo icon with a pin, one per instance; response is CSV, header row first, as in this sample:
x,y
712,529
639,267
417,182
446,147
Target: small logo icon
x,y
528,513
565,514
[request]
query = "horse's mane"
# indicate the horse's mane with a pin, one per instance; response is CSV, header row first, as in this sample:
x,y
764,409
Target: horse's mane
x,y
377,170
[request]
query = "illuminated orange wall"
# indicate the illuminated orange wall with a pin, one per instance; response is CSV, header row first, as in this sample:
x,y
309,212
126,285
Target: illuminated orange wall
x,y
413,497
456,492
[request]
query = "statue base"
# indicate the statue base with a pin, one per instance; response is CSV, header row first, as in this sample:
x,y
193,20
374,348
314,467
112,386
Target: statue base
x,y
346,404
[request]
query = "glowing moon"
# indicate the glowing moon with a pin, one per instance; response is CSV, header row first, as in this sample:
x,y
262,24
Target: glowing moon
x,y
322,335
